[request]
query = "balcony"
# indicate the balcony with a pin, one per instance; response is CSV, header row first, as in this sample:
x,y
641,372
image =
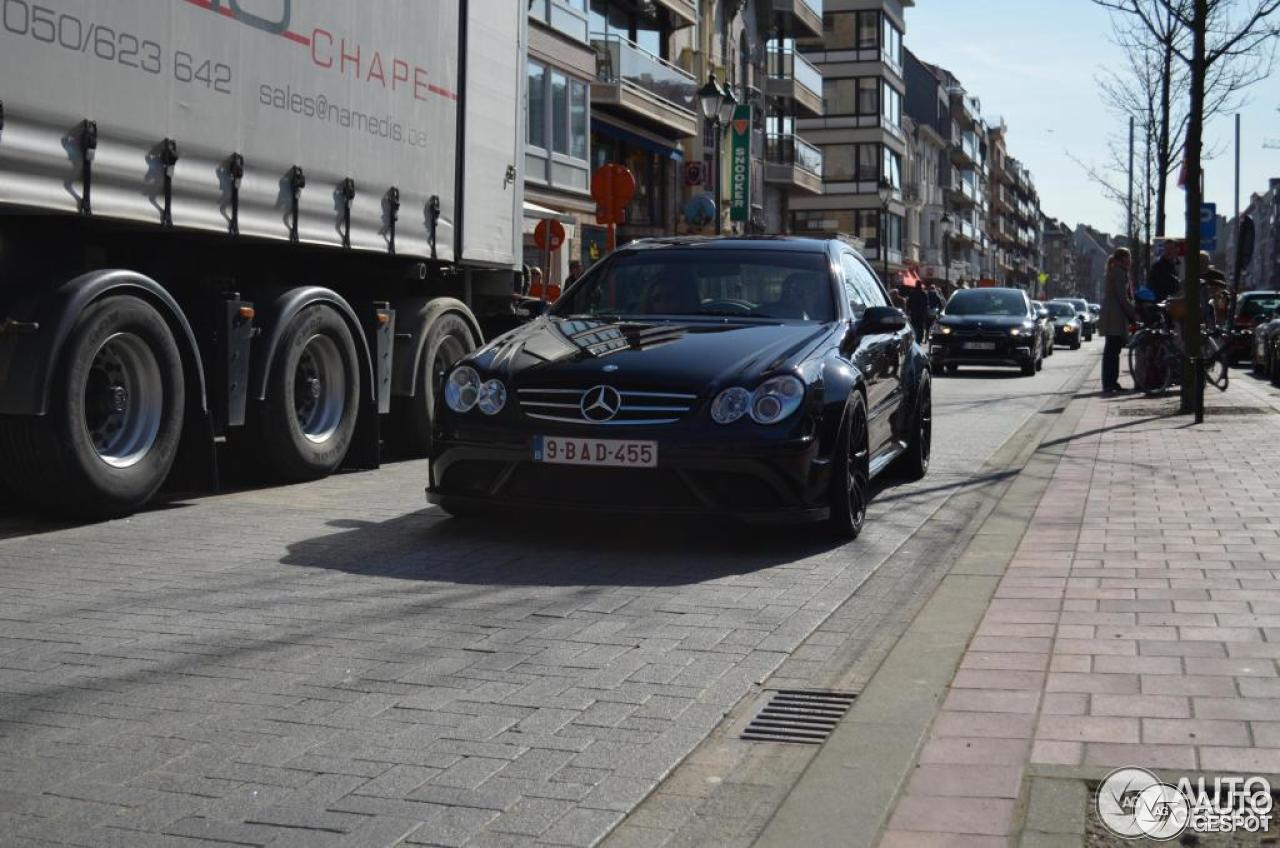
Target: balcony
x,y
963,192
684,12
643,87
964,147
1003,199
792,76
804,16
792,161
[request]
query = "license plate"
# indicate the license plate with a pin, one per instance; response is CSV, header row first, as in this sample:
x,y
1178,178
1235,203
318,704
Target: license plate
x,y
614,453
979,345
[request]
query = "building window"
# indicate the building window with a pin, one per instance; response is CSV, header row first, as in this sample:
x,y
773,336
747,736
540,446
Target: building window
x,y
852,96
557,128
537,135
851,162
892,168
868,30
891,110
648,30
891,42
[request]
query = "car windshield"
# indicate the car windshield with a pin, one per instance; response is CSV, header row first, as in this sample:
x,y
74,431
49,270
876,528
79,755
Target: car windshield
x,y
703,281
1062,310
1257,307
979,302
1077,305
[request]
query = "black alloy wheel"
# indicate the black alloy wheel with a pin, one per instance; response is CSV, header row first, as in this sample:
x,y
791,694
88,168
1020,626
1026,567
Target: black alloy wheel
x,y
851,474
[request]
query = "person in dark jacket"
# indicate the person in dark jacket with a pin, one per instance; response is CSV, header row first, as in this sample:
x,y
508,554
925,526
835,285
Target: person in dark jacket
x,y
918,310
1117,313
1163,279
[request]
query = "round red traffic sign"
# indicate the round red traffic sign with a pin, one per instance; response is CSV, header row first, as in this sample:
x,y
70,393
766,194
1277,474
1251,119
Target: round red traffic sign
x,y
612,187
548,235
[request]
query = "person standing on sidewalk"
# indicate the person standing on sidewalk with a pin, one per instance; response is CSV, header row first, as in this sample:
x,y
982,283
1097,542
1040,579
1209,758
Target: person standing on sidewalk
x,y
1117,313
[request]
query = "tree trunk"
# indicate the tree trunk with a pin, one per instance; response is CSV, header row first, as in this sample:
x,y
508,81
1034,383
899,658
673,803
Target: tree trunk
x,y
1191,391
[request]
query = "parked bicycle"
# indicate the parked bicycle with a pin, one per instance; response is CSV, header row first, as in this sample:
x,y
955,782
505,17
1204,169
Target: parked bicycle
x,y
1156,352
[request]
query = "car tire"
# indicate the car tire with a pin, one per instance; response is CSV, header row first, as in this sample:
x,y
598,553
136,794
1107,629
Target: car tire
x,y
1039,363
115,416
448,339
914,462
304,433
1029,368
851,474
1075,344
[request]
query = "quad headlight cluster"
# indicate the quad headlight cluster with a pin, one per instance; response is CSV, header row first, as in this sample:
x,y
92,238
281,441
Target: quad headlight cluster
x,y
464,391
772,401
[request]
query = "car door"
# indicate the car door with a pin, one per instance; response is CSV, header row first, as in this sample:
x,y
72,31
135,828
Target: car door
x,y
875,355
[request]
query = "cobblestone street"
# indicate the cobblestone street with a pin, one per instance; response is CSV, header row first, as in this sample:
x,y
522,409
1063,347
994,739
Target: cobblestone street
x,y
334,663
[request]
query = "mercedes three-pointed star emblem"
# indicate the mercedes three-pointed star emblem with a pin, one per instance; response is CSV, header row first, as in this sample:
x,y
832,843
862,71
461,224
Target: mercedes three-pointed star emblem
x,y
600,403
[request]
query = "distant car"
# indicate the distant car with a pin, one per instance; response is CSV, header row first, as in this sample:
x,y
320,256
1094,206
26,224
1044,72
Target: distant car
x,y
987,326
1252,308
1265,336
1088,321
1096,309
1045,322
767,379
1066,323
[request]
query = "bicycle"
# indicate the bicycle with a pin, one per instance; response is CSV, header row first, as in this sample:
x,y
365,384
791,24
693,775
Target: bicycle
x,y
1156,352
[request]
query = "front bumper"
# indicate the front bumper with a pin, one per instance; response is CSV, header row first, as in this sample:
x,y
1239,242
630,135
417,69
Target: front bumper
x,y
1012,350
777,478
1064,338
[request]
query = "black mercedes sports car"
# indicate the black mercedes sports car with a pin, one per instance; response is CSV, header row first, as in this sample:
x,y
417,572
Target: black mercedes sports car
x,y
763,378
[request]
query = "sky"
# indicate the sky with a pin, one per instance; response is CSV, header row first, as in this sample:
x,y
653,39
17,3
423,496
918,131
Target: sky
x,y
1035,63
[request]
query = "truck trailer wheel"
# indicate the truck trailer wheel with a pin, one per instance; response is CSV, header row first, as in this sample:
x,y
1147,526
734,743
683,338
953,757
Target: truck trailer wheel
x,y
115,415
305,423
448,339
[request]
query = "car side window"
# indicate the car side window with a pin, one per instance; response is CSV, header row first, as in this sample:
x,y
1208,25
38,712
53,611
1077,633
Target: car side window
x,y
864,281
851,271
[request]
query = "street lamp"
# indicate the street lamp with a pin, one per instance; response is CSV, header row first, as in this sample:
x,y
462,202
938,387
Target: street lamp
x,y
946,245
717,108
886,194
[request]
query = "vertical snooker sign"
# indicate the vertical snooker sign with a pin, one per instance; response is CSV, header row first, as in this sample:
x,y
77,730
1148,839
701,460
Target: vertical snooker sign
x,y
740,164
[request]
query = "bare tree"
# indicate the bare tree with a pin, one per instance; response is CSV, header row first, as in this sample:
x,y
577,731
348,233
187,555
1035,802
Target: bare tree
x,y
1238,35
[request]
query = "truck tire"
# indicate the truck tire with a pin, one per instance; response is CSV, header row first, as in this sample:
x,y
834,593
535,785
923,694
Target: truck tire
x,y
448,339
115,416
304,426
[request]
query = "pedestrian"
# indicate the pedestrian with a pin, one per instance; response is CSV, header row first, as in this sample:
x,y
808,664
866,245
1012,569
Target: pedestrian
x,y
1163,278
918,310
936,303
1117,313
575,271
897,299
535,282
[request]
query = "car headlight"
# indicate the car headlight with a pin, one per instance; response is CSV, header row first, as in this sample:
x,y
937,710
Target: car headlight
x,y
493,396
775,399
1070,328
462,390
730,405
1015,331
946,331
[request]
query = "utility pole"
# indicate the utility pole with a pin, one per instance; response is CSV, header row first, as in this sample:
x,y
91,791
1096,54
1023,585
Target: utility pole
x,y
1192,400
1235,226
1133,241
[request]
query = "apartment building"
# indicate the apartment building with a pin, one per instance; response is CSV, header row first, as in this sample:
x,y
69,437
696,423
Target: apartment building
x,y
1262,272
860,58
926,223
1058,261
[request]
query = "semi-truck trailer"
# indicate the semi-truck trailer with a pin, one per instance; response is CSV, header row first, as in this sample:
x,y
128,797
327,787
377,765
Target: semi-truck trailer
x,y
269,223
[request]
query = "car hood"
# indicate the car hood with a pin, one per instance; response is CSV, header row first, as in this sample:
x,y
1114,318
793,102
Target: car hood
x,y
984,322
551,351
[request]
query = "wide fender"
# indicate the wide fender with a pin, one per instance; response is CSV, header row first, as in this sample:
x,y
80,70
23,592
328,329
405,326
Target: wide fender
x,y
840,381
35,333
273,319
915,370
414,317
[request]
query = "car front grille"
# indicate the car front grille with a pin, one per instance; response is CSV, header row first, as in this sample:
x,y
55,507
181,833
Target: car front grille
x,y
637,407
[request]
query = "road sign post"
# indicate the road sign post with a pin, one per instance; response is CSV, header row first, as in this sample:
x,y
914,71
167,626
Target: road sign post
x,y
612,187
1209,227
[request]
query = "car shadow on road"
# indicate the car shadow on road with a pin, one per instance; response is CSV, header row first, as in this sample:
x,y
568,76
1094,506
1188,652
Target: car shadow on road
x,y
556,549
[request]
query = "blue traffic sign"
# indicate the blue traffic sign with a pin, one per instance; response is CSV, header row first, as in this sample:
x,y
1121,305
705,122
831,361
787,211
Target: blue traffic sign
x,y
1209,227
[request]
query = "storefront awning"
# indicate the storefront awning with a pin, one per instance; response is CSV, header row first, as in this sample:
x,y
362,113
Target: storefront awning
x,y
533,210
636,140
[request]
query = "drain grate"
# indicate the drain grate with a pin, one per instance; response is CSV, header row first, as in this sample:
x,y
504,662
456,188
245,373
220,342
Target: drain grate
x,y
798,715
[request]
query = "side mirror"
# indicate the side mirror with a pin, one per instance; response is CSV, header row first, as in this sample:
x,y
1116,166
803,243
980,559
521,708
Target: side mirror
x,y
882,319
1042,313
534,307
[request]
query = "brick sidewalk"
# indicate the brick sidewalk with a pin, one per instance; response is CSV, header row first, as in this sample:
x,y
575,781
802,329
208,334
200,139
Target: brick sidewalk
x,y
1138,623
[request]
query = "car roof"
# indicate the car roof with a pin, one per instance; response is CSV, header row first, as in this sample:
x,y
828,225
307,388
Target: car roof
x,y
1254,294
797,244
993,289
